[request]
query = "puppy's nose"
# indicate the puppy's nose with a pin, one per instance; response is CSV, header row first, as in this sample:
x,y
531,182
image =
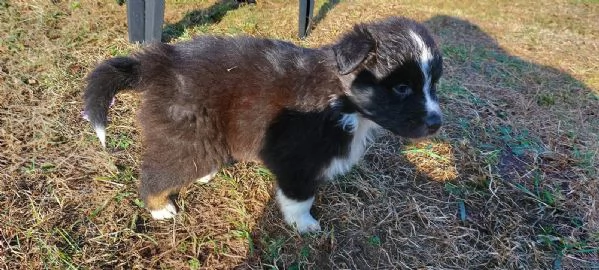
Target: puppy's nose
x,y
433,122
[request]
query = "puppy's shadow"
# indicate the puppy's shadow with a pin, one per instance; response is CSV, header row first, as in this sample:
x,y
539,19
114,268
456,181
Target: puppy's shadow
x,y
390,212
209,15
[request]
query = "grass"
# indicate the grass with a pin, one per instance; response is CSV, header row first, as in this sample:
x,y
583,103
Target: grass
x,y
511,182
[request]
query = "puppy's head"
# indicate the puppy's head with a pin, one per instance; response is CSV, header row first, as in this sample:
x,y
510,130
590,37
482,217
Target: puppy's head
x,y
395,66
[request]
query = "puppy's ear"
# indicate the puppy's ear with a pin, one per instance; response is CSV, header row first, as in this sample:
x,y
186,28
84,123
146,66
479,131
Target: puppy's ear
x,y
353,49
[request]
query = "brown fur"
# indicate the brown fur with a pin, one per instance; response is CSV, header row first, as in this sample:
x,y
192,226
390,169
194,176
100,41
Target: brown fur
x,y
219,112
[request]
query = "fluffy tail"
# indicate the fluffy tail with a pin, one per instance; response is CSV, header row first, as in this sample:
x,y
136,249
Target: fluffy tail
x,y
110,77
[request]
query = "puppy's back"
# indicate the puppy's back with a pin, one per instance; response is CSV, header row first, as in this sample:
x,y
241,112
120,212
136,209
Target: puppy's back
x,y
233,88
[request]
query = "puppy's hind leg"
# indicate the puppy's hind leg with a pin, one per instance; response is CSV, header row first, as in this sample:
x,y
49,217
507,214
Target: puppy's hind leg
x,y
156,187
160,206
164,174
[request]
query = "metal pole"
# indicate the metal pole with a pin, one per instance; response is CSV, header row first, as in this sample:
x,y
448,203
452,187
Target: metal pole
x,y
306,8
144,20
154,20
135,20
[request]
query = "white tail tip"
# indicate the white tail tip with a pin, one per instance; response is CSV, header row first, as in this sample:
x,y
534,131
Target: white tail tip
x,y
101,133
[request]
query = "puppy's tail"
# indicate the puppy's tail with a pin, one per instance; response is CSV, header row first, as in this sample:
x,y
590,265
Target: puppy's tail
x,y
110,77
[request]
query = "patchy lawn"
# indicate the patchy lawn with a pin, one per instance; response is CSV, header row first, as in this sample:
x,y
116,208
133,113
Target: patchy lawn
x,y
512,181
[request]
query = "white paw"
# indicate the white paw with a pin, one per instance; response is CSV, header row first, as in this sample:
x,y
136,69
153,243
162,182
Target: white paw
x,y
305,224
207,178
169,211
297,213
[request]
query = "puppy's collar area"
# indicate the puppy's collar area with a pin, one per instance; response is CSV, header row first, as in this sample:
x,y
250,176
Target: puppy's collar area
x,y
349,122
347,113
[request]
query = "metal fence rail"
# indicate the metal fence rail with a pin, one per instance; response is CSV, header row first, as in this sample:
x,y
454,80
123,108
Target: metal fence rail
x,y
146,17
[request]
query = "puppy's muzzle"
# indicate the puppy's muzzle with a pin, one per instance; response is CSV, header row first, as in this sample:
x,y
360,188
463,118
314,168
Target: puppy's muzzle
x,y
433,123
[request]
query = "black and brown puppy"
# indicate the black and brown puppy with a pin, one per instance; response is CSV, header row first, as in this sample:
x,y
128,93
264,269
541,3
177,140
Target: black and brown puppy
x,y
307,114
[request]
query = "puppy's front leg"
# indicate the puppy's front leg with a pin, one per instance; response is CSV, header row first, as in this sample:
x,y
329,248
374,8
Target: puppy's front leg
x,y
297,213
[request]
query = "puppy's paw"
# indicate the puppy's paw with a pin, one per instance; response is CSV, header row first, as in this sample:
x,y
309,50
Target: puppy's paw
x,y
169,211
207,178
297,213
305,224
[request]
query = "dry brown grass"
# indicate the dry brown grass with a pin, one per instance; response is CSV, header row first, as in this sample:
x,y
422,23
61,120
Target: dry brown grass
x,y
511,181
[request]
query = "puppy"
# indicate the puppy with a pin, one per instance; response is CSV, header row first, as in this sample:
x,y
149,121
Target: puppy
x,y
306,114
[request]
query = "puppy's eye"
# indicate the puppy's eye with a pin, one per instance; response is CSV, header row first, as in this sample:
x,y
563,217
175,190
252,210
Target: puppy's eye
x,y
402,90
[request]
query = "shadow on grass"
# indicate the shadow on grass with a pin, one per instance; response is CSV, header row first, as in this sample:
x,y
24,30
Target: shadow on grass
x,y
210,15
322,12
512,203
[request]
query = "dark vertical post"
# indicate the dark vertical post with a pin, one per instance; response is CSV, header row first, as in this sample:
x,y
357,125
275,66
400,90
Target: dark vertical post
x,y
154,20
135,20
306,8
144,20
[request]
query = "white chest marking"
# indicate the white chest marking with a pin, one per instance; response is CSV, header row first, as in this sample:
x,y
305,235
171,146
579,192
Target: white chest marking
x,y
362,132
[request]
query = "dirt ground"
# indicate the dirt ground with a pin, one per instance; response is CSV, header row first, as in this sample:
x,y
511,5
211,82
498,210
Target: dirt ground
x,y
511,182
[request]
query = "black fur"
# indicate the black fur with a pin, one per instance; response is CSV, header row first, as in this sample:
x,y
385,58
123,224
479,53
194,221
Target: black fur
x,y
104,82
298,146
